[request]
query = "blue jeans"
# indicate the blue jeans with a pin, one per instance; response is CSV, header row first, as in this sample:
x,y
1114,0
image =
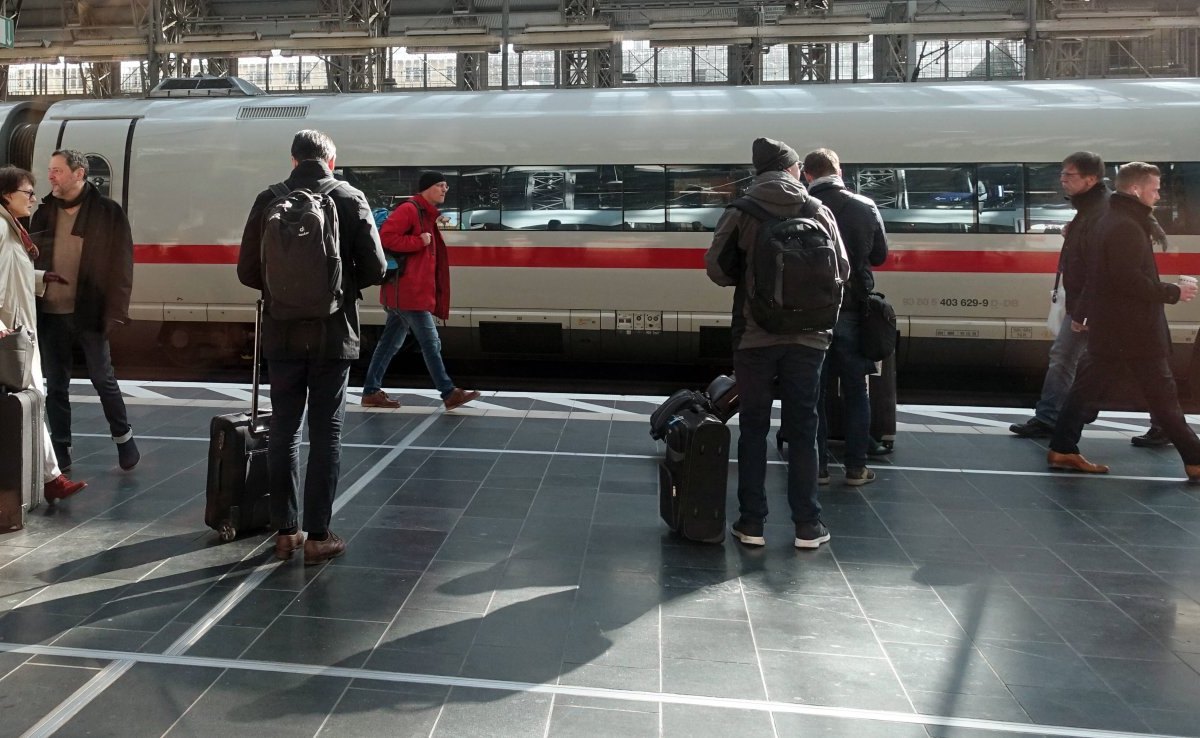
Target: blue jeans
x,y
845,362
323,385
1065,353
399,323
799,371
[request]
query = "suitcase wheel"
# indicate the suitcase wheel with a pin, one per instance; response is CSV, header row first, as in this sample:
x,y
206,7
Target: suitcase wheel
x,y
227,533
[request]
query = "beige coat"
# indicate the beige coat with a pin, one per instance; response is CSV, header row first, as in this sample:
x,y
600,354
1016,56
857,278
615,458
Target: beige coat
x,y
20,283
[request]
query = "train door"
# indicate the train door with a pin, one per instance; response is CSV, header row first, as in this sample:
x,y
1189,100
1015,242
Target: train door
x,y
107,143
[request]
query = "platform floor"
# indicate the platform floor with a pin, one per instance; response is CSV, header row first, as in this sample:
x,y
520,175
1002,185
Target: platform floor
x,y
507,575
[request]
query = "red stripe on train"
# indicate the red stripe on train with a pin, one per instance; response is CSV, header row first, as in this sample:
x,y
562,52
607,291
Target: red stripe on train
x,y
601,257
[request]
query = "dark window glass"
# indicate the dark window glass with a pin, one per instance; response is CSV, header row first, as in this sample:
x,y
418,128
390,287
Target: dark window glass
x,y
387,187
479,197
697,195
1049,209
919,199
100,173
1001,198
645,197
1178,210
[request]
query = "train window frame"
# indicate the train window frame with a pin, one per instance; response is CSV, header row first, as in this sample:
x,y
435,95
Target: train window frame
x,y
869,179
100,173
699,206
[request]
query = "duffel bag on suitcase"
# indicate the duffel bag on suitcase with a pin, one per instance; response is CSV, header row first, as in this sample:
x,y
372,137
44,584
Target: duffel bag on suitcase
x,y
21,471
723,397
16,360
692,476
238,492
672,406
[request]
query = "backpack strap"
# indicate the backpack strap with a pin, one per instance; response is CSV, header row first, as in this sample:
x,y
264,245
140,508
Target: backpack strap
x,y
280,189
751,208
328,186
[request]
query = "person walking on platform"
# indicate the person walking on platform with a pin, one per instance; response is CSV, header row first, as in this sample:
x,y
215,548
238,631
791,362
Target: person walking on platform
x,y
85,237
1082,179
19,281
420,292
308,359
866,245
1121,308
760,356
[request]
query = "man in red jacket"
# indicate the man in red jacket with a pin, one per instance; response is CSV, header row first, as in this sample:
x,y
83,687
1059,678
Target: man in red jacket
x,y
413,299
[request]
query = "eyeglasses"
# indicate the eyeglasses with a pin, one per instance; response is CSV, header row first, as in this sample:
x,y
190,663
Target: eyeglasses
x,y
32,195
1068,175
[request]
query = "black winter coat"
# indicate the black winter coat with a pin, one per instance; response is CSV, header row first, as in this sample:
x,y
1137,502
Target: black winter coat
x,y
1072,260
863,234
1123,300
105,278
338,336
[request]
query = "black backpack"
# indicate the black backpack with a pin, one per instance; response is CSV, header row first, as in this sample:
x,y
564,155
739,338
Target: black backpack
x,y
301,256
794,282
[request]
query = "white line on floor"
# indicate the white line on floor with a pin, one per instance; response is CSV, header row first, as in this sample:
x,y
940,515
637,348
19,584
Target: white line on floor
x,y
849,713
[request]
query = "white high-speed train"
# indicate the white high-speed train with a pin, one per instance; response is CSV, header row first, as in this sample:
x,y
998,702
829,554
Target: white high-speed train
x,y
579,218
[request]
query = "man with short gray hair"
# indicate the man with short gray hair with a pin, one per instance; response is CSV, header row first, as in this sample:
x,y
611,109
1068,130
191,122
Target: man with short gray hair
x,y
85,237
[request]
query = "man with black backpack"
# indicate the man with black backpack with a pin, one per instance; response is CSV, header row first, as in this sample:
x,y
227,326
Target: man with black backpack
x,y
781,250
866,246
310,244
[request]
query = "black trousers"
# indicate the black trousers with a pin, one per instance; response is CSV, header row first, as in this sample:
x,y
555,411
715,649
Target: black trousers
x,y
1153,377
322,386
57,337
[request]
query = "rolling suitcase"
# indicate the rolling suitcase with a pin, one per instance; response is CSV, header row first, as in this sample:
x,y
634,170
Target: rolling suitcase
x,y
881,389
21,418
238,496
692,476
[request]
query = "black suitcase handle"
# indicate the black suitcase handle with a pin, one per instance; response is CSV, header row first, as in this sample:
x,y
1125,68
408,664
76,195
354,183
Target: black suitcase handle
x,y
258,318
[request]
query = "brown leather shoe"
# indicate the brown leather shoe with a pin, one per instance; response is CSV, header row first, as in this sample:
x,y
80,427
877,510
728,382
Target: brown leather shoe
x,y
60,488
286,545
380,399
1075,462
316,552
459,397
1193,473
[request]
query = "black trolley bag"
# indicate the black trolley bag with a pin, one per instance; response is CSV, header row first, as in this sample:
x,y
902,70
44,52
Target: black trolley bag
x,y
693,475
21,471
881,388
238,493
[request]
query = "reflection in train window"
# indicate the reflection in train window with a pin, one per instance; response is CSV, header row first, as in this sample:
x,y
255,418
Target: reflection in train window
x,y
100,173
559,197
697,195
1001,198
387,187
480,198
644,190
919,199
1179,209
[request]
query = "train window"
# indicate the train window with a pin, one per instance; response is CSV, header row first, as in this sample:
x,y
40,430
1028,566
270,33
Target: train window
x,y
560,197
697,195
1001,198
480,198
387,187
1179,209
100,173
644,190
919,199
1048,207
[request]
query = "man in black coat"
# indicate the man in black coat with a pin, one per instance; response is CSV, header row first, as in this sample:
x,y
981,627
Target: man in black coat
x,y
84,237
1121,308
866,246
310,358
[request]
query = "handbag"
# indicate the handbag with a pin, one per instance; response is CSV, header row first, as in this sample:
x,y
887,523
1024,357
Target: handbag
x,y
1058,308
877,331
16,360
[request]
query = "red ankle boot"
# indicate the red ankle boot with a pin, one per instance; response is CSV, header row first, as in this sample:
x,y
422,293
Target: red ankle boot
x,y
61,488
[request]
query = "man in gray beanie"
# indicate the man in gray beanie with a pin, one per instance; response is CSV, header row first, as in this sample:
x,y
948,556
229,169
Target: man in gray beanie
x,y
759,355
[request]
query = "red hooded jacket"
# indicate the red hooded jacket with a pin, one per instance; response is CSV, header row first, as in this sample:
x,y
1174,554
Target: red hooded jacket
x,y
425,284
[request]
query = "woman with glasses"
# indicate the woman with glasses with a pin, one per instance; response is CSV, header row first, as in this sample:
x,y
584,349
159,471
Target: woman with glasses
x,y
18,283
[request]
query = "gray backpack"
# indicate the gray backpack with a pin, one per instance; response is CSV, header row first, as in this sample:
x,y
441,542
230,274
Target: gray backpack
x,y
301,256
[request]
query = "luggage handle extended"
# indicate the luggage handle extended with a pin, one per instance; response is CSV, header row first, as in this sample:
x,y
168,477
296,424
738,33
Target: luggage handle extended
x,y
258,318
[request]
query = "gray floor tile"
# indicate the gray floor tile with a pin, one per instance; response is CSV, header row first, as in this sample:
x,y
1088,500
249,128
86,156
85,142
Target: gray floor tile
x,y
146,700
479,713
1077,709
32,691
317,641
290,704
713,679
854,682
585,722
367,712
820,726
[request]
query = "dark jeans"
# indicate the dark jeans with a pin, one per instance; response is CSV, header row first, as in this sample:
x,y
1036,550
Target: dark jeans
x,y
324,385
57,336
845,363
799,371
1096,375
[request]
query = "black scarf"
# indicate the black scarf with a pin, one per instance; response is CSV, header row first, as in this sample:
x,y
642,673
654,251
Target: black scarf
x,y
68,204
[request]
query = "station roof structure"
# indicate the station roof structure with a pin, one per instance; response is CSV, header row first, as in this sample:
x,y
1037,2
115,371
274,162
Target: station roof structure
x,y
112,30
